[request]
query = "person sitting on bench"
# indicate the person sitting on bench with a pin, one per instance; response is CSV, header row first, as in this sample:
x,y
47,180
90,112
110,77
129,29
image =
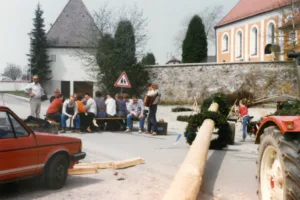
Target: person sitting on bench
x,y
81,111
121,106
91,112
121,109
111,109
56,95
136,110
101,107
54,110
70,110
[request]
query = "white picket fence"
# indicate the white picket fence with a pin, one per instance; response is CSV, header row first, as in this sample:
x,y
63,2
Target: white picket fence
x,y
6,86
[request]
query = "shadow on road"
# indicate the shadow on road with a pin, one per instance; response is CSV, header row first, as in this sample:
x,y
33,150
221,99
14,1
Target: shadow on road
x,y
211,172
32,188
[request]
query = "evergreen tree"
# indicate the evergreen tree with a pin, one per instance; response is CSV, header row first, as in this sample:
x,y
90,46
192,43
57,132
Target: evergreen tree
x,y
108,71
125,58
149,59
38,58
125,45
194,48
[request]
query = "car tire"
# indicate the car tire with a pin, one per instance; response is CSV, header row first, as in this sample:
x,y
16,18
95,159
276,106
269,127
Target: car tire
x,y
57,172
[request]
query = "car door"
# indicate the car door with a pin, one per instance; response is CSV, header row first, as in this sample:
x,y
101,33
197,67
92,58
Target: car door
x,y
18,152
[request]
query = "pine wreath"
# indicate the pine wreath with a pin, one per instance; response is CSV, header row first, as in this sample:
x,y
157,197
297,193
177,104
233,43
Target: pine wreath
x,y
220,119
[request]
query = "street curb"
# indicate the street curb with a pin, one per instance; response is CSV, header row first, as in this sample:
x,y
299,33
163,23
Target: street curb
x,y
17,97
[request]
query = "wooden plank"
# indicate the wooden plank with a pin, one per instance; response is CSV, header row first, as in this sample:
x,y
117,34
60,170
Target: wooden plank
x,y
103,165
84,164
127,163
79,170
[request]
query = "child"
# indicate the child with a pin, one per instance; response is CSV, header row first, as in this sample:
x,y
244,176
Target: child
x,y
243,111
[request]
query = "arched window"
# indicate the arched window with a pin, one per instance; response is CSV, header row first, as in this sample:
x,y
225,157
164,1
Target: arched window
x,y
254,41
271,33
225,43
239,45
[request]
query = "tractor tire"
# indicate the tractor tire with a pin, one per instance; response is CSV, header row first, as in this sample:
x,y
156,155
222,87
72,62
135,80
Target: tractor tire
x,y
278,167
232,136
57,172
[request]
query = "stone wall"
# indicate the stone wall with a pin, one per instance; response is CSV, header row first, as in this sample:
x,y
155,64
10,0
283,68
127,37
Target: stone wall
x,y
185,81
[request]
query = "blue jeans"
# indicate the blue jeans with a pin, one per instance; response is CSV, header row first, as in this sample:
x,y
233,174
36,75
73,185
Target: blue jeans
x,y
245,119
152,123
130,118
64,119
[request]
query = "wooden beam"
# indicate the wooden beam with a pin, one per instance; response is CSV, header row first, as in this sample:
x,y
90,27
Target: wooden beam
x,y
103,165
79,170
188,179
127,163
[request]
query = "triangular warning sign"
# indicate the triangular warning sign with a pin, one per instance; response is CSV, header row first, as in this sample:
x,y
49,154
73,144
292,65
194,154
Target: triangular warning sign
x,y
123,81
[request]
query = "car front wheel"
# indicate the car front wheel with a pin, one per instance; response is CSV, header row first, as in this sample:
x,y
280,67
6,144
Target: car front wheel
x,y
57,172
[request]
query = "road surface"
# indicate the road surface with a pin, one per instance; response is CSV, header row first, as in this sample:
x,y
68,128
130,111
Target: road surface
x,y
229,175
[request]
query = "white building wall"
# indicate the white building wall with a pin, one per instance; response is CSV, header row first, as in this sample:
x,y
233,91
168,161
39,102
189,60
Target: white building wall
x,y
7,86
67,66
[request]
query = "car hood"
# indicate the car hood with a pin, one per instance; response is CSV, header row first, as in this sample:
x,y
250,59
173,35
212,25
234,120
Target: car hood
x,y
48,139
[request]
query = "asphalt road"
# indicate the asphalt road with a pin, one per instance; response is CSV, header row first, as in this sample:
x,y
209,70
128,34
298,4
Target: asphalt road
x,y
229,175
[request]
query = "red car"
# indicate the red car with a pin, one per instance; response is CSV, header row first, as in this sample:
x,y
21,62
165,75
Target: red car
x,y
25,154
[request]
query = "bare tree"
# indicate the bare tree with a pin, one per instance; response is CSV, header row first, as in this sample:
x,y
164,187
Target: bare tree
x,y
26,73
210,16
289,11
12,71
106,19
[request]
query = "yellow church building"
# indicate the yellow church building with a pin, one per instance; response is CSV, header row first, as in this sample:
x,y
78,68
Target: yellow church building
x,y
257,30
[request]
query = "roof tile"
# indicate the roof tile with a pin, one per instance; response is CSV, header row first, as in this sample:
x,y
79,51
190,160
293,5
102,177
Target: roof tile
x,y
74,27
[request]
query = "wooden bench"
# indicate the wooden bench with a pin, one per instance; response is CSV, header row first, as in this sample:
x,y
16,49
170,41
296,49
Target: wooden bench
x,y
110,118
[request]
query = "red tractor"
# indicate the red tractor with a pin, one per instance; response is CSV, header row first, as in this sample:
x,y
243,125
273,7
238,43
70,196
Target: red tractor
x,y
278,163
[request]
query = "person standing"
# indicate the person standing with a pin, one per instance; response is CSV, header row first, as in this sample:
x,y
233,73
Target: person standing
x,y
91,112
243,111
155,99
35,91
70,110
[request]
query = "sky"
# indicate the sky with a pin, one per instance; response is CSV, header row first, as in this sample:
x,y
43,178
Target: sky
x,y
166,19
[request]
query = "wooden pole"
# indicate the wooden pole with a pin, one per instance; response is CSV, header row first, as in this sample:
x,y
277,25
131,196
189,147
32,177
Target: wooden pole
x,y
187,181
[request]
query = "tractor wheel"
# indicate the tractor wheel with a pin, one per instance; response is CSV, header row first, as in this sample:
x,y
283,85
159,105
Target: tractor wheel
x,y
278,167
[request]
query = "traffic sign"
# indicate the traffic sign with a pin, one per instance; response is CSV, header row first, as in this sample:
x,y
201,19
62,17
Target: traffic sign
x,y
123,81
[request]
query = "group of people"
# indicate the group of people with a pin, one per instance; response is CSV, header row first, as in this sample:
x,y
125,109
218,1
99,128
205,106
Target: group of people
x,y
83,110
